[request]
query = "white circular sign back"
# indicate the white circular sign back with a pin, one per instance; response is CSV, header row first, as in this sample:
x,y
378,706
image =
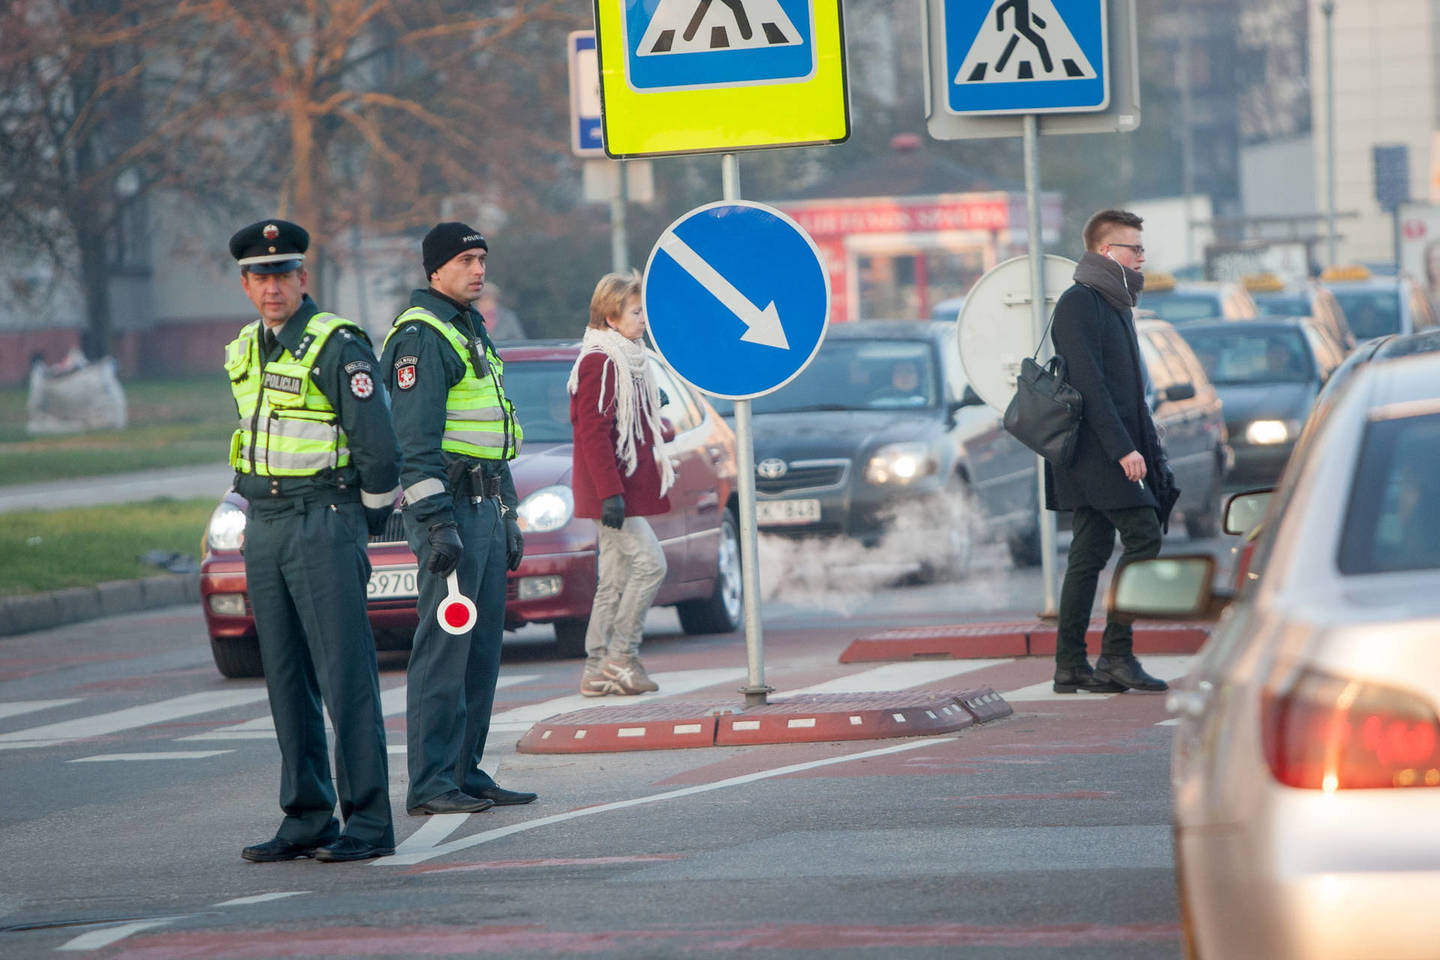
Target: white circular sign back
x,y
995,330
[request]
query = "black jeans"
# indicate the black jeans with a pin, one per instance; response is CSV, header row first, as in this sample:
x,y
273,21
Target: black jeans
x,y
1090,550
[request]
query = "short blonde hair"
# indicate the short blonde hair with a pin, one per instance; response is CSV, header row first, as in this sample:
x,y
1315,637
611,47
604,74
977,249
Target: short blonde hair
x,y
610,295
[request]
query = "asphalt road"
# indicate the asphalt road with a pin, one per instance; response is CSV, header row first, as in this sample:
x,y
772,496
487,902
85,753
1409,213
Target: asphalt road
x,y
132,774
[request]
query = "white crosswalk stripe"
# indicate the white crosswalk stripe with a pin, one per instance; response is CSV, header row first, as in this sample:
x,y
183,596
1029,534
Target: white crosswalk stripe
x,y
130,718
15,708
894,676
672,684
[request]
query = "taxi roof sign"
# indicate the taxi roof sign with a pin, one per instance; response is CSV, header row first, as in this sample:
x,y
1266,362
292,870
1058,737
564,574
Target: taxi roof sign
x,y
693,76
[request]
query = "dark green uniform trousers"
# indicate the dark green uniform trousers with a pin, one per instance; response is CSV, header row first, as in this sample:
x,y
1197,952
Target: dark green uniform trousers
x,y
451,681
1090,549
306,569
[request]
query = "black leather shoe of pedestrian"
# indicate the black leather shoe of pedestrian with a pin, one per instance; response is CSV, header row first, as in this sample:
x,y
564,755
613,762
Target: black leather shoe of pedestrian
x,y
347,849
274,851
455,801
505,798
1127,672
1070,679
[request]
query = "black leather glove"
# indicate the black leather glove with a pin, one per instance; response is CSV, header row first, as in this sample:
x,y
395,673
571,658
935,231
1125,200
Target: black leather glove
x,y
514,544
445,547
377,518
612,511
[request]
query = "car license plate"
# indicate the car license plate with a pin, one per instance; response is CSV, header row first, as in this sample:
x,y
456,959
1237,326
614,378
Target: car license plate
x,y
391,583
779,513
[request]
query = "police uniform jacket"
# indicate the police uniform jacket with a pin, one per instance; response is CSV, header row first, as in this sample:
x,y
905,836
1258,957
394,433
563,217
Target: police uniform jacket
x,y
418,407
345,373
1102,357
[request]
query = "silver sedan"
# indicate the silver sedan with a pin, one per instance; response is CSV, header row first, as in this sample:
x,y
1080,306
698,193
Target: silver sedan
x,y
1306,764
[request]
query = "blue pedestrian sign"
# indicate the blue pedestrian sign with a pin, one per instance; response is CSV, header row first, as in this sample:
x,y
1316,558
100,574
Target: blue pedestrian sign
x,y
737,298
587,138
1026,56
683,44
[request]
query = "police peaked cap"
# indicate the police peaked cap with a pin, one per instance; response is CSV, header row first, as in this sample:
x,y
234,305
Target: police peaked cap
x,y
270,246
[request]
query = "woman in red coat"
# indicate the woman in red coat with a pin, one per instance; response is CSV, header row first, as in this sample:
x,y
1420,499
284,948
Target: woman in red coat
x,y
620,476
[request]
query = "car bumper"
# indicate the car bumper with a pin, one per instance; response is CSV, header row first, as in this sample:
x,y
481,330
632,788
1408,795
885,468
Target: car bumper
x,y
863,512
1258,465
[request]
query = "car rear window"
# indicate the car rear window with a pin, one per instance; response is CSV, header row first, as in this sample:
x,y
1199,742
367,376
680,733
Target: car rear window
x,y
1393,520
1238,355
1370,313
1283,306
1179,307
542,402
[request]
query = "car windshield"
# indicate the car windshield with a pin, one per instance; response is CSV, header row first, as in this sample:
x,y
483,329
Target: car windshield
x,y
1370,313
857,375
542,403
1179,307
1392,523
1237,355
1283,305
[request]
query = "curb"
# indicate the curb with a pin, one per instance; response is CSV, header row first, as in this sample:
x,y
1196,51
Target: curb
x,y
812,718
1027,638
54,608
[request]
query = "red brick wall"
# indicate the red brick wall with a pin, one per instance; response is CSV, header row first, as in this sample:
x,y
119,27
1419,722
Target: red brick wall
x,y
165,350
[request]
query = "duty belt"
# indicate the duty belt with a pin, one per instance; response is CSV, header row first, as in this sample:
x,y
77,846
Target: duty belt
x,y
475,485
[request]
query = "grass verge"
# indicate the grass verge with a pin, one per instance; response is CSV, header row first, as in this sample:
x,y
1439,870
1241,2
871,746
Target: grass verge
x,y
53,549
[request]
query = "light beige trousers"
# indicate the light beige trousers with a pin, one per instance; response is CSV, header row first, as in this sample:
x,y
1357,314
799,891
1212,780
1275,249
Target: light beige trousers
x,y
631,569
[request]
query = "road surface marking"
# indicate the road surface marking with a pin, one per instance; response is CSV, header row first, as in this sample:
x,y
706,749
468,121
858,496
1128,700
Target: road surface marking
x,y
16,707
895,676
96,939
261,898
172,755
434,830
674,683
130,718
501,832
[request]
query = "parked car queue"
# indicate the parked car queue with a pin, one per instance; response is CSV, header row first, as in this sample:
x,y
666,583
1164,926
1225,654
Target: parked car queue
x,y
556,580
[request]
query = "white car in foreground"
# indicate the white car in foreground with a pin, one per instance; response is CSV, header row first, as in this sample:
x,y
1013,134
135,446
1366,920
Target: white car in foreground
x,y
1306,765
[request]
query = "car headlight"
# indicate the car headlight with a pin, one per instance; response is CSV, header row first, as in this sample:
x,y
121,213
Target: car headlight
x,y
227,527
548,508
1262,432
899,463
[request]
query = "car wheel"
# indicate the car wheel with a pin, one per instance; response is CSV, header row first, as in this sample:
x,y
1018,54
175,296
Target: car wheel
x,y
1025,548
570,637
237,657
720,612
1207,524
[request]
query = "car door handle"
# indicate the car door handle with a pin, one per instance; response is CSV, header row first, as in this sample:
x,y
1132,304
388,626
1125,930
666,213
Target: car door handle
x,y
1190,701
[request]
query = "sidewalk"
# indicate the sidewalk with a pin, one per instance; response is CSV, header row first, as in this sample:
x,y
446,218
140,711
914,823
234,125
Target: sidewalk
x,y
180,483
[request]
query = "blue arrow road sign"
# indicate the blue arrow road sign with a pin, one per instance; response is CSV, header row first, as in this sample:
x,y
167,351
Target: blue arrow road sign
x,y
1026,56
684,44
737,298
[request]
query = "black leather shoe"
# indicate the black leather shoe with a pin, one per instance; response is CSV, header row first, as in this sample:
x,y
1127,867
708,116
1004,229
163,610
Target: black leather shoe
x,y
274,851
1127,672
455,801
505,798
348,848
1081,677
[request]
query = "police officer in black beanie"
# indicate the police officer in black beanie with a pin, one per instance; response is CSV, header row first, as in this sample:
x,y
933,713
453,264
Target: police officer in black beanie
x,y
458,432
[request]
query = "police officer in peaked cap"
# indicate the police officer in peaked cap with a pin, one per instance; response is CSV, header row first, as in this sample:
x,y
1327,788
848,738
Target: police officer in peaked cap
x,y
458,432
316,458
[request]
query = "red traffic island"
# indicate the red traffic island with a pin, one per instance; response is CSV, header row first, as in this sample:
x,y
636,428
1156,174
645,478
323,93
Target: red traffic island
x,y
801,719
1027,638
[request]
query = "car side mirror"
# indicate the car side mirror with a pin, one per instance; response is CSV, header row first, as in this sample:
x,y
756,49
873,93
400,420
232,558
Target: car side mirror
x,y
667,429
969,398
1245,511
1179,391
1174,588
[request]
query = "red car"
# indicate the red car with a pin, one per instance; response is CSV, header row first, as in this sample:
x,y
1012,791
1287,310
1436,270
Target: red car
x,y
556,582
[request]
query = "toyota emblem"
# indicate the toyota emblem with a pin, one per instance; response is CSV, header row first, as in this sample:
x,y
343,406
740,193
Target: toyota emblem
x,y
771,469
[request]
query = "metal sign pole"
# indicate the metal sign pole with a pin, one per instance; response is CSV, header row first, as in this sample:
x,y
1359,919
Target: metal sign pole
x,y
755,690
1046,520
619,243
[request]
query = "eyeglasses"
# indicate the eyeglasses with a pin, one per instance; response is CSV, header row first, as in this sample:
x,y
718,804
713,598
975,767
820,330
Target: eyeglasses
x,y
1138,248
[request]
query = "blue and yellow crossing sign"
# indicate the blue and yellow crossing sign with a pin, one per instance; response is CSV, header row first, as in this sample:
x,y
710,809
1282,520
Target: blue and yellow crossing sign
x,y
697,76
1026,56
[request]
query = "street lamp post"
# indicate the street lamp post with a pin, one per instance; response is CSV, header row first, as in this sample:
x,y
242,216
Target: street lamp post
x,y
1327,9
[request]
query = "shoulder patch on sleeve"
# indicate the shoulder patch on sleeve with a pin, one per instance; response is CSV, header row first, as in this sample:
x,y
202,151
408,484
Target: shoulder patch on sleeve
x,y
355,366
405,374
362,385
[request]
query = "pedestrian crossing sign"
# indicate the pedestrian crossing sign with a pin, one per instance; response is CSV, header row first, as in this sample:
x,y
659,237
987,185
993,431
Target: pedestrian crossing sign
x,y
695,76
1026,56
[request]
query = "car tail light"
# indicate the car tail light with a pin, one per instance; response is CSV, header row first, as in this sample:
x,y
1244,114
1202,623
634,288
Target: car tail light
x,y
1327,733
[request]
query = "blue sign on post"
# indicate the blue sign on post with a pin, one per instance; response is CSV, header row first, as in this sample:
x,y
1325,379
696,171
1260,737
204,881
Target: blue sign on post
x,y
587,135
673,44
1026,56
737,298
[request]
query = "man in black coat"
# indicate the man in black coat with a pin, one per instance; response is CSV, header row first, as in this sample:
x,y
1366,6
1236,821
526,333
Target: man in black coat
x,y
1118,480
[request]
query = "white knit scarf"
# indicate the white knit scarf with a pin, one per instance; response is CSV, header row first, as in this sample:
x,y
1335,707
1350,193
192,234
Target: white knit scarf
x,y
637,397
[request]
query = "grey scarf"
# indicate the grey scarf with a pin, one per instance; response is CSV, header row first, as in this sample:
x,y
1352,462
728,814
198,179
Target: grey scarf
x,y
1118,284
